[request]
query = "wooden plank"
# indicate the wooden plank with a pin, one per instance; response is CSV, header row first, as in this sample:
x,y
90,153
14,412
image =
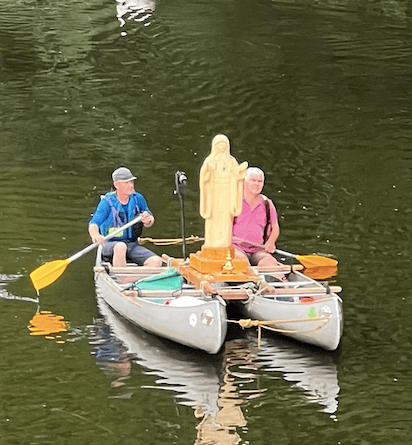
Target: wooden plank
x,y
144,270
137,270
278,269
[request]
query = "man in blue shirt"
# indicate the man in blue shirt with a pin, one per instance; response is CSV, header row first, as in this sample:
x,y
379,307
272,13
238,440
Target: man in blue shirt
x,y
115,210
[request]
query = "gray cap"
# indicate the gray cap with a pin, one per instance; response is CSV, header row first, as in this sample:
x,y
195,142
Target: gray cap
x,y
122,174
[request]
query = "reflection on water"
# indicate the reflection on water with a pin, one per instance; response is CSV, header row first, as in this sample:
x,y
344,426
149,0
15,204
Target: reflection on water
x,y
313,372
137,10
5,295
49,325
215,387
191,374
221,427
43,323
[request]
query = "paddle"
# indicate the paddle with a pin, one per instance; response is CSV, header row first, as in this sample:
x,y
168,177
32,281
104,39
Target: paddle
x,y
49,272
309,261
321,273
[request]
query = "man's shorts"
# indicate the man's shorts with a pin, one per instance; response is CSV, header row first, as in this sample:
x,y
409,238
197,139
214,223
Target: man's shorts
x,y
135,252
253,258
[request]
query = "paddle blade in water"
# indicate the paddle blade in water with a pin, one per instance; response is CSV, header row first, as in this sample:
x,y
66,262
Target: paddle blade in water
x,y
48,273
310,261
321,273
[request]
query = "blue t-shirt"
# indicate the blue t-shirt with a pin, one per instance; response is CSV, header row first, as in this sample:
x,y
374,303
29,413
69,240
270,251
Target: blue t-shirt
x,y
110,214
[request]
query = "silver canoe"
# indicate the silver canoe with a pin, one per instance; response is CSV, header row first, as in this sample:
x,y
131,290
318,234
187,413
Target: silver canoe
x,y
187,317
300,308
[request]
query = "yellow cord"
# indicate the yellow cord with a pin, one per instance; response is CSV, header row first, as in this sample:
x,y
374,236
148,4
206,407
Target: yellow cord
x,y
171,241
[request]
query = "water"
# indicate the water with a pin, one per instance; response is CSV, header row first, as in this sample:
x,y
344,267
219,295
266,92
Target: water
x,y
318,94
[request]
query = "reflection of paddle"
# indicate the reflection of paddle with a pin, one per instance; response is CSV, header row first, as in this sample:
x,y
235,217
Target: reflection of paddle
x,y
309,261
46,323
49,272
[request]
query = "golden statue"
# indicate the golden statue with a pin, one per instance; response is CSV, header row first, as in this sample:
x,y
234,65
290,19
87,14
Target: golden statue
x,y
221,193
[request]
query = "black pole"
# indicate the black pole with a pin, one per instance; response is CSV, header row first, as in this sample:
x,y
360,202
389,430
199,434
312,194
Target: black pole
x,y
181,185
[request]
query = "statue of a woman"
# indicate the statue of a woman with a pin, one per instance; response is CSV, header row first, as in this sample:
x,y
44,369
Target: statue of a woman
x,y
221,192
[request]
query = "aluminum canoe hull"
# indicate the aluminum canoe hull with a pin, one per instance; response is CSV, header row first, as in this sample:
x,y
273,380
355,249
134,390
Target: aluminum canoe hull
x,y
200,326
313,319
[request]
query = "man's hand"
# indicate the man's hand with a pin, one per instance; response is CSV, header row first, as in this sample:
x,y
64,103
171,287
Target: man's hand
x,y
98,239
270,246
147,219
95,235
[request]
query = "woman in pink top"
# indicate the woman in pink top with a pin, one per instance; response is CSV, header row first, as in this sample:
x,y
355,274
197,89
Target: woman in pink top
x,y
251,223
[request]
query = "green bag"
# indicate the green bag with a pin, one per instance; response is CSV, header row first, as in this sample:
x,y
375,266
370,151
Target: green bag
x,y
170,280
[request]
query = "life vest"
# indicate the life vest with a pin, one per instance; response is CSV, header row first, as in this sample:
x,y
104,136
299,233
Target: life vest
x,y
121,215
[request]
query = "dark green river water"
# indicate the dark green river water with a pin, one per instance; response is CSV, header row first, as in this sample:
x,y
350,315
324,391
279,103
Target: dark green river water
x,y
319,95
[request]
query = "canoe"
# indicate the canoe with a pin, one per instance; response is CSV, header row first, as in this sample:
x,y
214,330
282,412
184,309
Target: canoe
x,y
298,307
184,315
286,301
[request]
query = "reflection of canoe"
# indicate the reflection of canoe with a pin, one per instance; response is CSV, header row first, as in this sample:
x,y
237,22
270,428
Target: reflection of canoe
x,y
300,308
183,315
192,375
308,369
199,380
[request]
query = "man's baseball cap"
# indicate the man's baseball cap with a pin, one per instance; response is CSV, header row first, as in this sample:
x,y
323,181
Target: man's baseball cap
x,y
122,174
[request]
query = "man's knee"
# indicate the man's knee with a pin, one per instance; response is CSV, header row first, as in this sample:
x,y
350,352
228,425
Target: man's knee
x,y
120,248
153,261
240,254
268,260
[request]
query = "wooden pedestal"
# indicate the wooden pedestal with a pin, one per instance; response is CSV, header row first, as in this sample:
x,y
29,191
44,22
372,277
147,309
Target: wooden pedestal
x,y
217,265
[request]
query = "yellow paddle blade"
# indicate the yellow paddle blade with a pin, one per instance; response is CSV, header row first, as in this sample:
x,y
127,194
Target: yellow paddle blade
x,y
321,272
48,273
310,261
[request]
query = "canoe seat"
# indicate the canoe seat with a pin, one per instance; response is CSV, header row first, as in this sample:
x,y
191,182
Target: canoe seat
x,y
170,280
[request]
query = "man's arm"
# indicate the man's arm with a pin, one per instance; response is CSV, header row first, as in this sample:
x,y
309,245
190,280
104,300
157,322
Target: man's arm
x,y
270,245
147,216
95,234
147,219
101,212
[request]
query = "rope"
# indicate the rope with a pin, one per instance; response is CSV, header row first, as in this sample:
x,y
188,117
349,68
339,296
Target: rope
x,y
265,324
189,239
171,241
